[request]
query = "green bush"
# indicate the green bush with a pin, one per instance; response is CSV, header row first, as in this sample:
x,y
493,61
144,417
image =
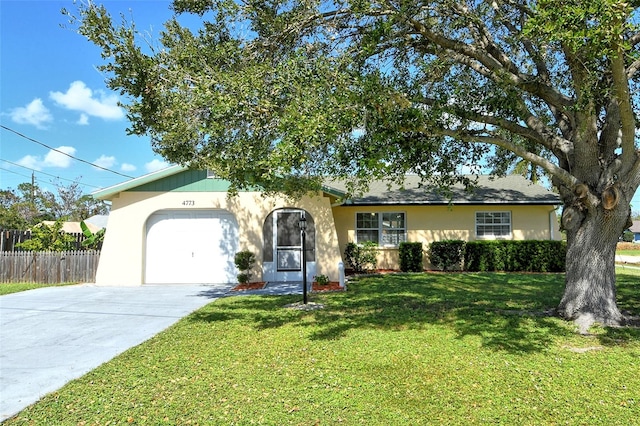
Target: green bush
x,y
515,256
244,261
48,238
447,255
321,279
362,257
410,257
627,236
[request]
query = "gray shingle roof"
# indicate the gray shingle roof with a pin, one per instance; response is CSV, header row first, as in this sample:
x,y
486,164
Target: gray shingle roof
x,y
512,189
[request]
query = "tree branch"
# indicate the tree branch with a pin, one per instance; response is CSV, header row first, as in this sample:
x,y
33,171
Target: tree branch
x,y
627,117
497,69
566,177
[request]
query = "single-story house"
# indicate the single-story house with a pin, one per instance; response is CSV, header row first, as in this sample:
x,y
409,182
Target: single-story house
x,y
635,228
178,225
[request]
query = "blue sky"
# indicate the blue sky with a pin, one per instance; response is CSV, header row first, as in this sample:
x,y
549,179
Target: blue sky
x,y
51,91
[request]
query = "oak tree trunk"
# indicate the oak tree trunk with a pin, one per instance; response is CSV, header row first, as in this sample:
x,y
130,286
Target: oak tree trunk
x,y
590,283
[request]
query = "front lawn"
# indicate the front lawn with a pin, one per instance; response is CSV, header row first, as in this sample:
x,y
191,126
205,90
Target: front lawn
x,y
392,350
8,288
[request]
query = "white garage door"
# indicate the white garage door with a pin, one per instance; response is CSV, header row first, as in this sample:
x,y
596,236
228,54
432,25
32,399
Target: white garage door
x,y
191,247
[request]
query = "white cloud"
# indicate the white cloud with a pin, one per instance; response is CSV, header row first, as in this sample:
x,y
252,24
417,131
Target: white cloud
x,y
57,159
80,98
35,113
30,161
126,167
155,165
83,120
52,159
105,161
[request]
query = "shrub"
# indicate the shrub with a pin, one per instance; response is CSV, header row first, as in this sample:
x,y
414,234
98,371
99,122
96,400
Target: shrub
x,y
321,279
410,257
447,255
628,236
362,257
48,238
515,256
244,261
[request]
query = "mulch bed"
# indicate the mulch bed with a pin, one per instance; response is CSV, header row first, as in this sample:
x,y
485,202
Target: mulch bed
x,y
250,286
332,286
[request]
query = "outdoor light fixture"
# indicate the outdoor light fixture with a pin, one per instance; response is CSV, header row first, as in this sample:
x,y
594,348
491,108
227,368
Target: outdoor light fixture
x,y
302,223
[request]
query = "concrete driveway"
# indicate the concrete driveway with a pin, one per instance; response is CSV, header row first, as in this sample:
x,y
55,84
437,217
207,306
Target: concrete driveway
x,y
52,335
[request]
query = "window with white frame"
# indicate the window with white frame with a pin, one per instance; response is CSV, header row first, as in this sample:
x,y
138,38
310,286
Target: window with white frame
x,y
493,224
382,228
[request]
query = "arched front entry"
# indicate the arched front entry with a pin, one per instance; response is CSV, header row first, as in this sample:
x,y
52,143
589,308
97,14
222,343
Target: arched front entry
x,y
282,255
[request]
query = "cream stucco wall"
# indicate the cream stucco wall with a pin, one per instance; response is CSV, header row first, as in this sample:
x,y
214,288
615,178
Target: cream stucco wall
x,y
436,223
122,261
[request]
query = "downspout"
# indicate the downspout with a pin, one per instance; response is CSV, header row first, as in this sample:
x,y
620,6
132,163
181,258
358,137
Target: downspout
x,y
552,218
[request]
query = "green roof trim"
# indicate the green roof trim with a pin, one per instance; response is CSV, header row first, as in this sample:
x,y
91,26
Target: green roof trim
x,y
185,181
179,179
112,191
171,179
334,192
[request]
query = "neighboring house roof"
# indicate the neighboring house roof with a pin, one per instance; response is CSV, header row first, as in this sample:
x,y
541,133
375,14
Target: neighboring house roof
x,y
72,227
512,189
99,220
635,227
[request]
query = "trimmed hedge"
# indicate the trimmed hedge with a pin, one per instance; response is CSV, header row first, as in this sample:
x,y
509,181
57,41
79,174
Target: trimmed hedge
x,y
362,257
447,254
515,256
410,257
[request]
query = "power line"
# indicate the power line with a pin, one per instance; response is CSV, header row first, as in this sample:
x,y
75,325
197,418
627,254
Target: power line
x,y
44,173
64,153
15,173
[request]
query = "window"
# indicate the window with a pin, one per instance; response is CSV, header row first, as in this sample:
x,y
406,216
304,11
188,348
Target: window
x,y
493,224
384,229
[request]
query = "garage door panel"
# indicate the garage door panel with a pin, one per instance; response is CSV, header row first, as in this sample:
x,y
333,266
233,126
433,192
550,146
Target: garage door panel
x,y
191,247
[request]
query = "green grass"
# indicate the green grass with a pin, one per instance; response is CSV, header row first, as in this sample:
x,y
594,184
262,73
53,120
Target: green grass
x,y
393,350
8,288
629,252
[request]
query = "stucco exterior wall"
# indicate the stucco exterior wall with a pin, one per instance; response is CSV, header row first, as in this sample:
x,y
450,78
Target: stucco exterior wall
x,y
122,261
436,223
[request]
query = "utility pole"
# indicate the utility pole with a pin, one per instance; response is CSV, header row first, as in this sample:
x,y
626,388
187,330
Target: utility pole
x,y
33,190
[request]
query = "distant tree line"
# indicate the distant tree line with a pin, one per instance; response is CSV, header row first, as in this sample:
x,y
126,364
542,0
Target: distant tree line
x,y
29,204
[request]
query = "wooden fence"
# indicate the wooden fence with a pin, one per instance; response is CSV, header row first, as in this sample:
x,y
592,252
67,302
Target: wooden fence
x,y
49,267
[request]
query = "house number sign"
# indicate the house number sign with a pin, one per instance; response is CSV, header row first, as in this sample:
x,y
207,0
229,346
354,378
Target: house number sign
x,y
189,203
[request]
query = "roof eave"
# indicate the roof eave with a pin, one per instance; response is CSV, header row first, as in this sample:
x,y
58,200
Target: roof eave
x,y
446,203
111,191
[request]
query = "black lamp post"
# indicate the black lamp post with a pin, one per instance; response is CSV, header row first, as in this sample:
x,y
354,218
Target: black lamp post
x,y
302,223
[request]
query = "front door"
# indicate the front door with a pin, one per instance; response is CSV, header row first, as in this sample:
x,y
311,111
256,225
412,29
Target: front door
x,y
288,246
282,255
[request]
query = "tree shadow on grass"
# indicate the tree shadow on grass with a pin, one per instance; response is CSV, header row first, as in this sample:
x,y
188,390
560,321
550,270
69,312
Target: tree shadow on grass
x,y
508,312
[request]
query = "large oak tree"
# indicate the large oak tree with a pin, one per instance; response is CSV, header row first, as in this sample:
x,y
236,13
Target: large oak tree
x,y
282,93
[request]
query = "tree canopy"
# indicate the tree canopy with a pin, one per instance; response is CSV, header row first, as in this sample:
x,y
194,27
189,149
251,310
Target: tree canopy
x,y
282,93
29,204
